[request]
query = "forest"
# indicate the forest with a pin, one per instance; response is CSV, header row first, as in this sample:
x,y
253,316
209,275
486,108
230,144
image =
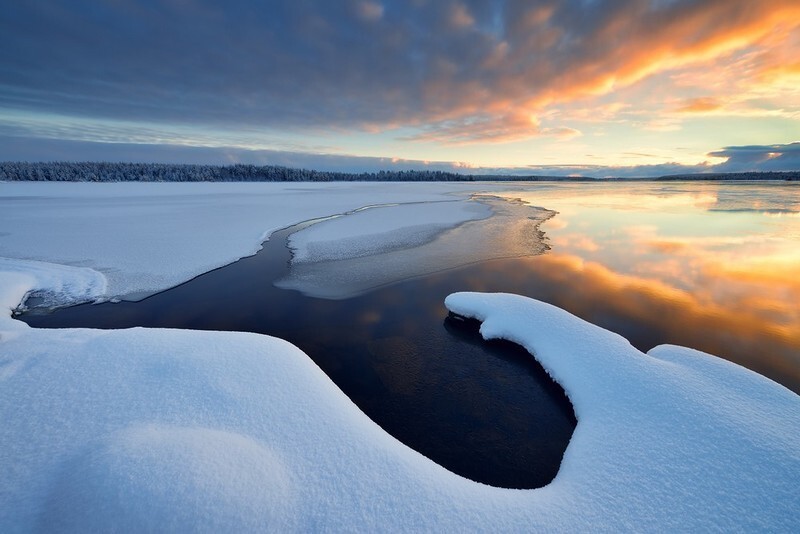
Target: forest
x,y
168,172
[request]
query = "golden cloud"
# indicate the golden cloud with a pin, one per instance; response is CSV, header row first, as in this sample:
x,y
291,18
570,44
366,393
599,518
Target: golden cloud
x,y
700,105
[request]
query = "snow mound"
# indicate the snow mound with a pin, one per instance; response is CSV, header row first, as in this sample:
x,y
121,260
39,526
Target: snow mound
x,y
51,283
672,439
171,430
157,477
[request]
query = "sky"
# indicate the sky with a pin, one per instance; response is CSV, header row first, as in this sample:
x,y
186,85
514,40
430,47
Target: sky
x,y
573,87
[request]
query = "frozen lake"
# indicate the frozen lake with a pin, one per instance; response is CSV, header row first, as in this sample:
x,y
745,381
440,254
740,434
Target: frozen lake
x,y
486,411
149,427
702,265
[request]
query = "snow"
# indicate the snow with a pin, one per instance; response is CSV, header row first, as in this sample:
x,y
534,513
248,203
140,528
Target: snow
x,y
174,430
146,237
674,439
378,229
347,256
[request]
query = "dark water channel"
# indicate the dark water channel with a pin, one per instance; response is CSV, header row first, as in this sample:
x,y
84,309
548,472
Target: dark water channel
x,y
484,410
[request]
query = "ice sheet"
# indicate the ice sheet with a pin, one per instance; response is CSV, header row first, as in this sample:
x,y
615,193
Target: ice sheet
x,y
345,257
380,229
146,237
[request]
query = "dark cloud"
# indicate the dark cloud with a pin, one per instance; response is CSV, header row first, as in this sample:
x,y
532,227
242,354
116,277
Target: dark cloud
x,y
14,148
759,158
447,67
19,148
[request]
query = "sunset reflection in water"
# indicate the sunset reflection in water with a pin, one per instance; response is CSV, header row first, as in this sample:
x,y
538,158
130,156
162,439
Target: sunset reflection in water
x,y
710,266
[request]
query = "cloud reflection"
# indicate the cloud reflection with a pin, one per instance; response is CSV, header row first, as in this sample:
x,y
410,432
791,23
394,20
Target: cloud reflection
x,y
708,266
645,309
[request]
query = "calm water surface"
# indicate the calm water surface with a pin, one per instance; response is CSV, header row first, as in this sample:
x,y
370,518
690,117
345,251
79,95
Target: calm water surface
x,y
711,266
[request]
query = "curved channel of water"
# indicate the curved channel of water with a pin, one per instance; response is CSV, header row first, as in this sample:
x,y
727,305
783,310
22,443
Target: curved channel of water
x,y
486,411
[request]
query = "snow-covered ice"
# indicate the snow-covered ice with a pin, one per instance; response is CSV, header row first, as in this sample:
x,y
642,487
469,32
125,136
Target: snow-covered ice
x,y
330,258
146,237
379,229
164,430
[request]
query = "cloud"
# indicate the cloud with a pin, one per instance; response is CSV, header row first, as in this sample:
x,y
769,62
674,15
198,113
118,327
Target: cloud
x,y
370,10
700,105
460,16
455,71
17,148
759,158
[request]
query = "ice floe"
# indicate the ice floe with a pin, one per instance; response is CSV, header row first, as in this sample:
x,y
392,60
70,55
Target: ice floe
x,y
344,257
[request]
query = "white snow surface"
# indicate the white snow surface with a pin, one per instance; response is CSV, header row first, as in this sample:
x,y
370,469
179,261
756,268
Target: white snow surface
x,y
378,229
347,256
146,237
173,430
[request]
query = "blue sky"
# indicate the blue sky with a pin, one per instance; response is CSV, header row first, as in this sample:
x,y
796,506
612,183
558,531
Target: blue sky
x,y
625,87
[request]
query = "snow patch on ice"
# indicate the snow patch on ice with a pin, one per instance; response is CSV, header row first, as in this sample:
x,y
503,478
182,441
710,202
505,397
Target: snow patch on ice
x,y
380,229
353,254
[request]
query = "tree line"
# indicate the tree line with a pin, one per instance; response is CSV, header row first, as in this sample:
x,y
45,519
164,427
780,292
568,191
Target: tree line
x,y
167,172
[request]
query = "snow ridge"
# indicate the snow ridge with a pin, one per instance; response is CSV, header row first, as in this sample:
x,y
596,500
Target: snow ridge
x,y
672,439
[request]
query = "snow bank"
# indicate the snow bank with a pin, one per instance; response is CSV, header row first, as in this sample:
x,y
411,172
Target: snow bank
x,y
155,429
53,284
164,430
672,439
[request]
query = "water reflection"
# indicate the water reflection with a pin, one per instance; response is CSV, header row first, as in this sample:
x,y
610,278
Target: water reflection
x,y
711,266
649,312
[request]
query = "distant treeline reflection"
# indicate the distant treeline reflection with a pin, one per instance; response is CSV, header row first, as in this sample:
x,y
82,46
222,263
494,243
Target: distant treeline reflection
x,y
166,172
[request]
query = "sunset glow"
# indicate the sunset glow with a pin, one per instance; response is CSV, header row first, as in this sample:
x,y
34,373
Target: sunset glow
x,y
711,259
636,87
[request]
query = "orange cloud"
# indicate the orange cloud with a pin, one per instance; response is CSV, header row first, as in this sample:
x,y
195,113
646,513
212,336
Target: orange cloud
x,y
623,48
492,129
370,10
460,17
700,105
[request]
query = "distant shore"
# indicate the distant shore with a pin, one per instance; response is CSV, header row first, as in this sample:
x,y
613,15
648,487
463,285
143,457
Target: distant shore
x,y
166,172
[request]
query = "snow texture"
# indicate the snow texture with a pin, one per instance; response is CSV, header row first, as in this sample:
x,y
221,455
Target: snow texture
x,y
164,430
147,237
674,439
173,430
380,229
